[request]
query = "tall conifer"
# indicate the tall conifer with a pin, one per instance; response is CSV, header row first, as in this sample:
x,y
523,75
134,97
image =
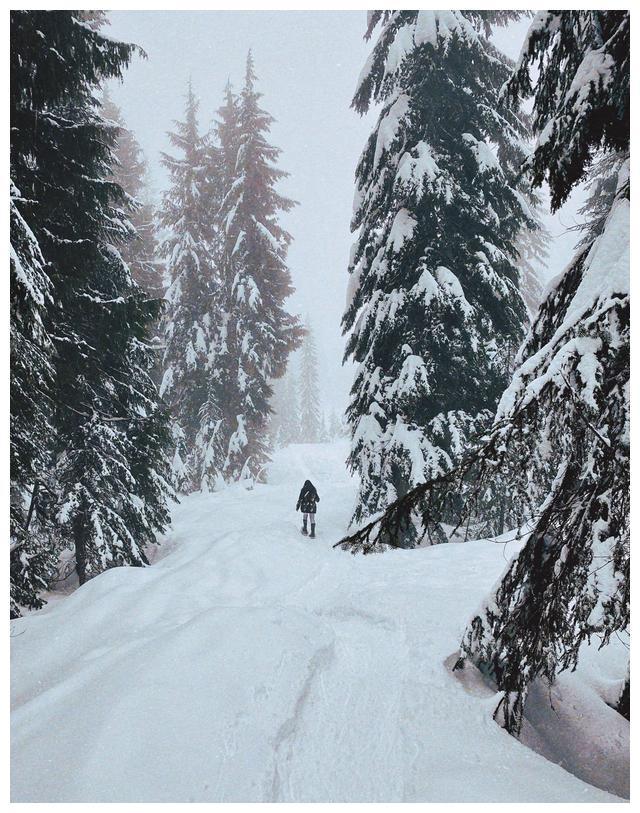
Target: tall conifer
x,y
569,399
435,305
260,333
106,418
33,558
310,417
190,324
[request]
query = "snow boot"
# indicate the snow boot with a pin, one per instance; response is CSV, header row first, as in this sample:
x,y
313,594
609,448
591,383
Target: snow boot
x,y
312,535
304,529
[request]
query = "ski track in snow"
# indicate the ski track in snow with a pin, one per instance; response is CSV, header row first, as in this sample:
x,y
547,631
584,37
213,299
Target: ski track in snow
x,y
250,663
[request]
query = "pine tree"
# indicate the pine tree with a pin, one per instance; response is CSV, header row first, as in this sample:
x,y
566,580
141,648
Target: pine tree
x,y
259,333
335,427
323,435
130,172
602,188
220,149
532,246
190,325
569,396
284,424
571,392
435,306
226,139
292,432
33,559
310,418
276,426
106,420
593,111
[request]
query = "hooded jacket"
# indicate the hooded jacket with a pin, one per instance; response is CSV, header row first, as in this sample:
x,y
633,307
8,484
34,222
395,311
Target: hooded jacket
x,y
308,498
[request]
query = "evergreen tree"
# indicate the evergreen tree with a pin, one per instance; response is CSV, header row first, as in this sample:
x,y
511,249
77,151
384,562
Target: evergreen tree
x,y
33,558
310,418
220,150
130,172
532,246
569,396
224,143
323,435
292,432
276,428
571,392
586,55
284,426
335,426
602,188
190,324
109,433
259,333
435,306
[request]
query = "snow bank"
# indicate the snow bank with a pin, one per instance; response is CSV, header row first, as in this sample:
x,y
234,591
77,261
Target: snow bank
x,y
570,724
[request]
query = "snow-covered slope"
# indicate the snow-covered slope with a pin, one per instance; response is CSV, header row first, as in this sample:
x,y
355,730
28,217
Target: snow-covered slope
x,y
250,663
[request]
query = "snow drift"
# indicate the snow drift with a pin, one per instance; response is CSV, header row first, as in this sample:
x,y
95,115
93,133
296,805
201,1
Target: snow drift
x,y
252,664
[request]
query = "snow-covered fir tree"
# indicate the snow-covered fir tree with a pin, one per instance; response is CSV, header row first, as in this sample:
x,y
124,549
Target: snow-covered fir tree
x,y
568,400
571,391
276,425
130,172
434,300
33,558
310,417
107,447
284,423
259,333
602,186
334,427
592,50
292,432
338,426
532,246
190,325
219,155
223,145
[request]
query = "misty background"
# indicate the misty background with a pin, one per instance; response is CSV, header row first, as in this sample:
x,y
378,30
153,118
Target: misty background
x,y
308,65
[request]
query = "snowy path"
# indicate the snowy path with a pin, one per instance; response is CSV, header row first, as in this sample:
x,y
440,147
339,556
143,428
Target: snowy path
x,y
253,664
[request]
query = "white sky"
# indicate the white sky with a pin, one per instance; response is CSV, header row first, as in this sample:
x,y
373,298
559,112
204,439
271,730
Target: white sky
x,y
307,65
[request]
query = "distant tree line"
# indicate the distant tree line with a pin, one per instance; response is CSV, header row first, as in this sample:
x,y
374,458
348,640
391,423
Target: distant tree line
x,y
297,413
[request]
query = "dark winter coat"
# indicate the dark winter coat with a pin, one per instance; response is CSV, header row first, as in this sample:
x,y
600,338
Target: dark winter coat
x,y
308,498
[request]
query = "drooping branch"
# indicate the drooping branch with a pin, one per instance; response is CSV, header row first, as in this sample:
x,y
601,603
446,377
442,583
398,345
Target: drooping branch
x,y
434,500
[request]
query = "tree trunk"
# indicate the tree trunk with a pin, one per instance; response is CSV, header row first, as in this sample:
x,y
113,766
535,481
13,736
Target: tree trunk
x,y
80,544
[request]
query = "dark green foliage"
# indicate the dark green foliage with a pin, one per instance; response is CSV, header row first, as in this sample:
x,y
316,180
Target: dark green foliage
x,y
435,312
566,409
102,400
581,94
32,560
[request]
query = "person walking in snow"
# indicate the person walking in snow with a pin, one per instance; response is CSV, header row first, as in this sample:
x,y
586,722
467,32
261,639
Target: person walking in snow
x,y
307,502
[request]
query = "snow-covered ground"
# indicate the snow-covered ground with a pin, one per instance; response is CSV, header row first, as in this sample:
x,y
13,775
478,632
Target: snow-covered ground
x,y
250,663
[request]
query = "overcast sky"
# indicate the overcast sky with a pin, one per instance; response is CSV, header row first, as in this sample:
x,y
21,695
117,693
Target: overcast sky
x,y
307,65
